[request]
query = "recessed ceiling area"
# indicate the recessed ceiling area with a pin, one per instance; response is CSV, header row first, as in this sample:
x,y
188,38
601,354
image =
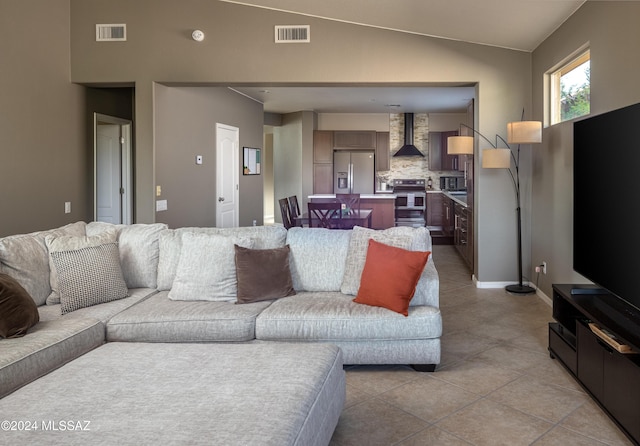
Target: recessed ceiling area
x,y
361,99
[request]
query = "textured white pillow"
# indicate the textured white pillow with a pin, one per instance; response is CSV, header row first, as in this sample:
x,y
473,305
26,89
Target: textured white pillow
x,y
415,239
88,273
207,268
71,243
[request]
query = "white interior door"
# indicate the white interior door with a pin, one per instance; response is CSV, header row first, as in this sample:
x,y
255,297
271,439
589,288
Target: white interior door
x,y
108,208
227,167
112,172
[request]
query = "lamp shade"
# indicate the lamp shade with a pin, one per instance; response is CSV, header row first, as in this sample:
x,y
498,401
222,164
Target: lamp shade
x,y
524,132
496,158
460,145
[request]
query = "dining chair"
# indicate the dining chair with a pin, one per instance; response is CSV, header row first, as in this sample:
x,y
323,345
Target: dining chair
x,y
351,201
324,215
284,210
294,210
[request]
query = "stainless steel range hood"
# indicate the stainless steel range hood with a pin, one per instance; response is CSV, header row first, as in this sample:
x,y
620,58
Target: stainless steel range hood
x,y
408,149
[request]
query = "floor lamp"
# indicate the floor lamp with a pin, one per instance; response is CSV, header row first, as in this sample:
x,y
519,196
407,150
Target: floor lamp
x,y
519,132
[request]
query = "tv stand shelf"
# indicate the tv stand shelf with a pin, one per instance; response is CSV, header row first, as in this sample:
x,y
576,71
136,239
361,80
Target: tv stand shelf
x,y
596,337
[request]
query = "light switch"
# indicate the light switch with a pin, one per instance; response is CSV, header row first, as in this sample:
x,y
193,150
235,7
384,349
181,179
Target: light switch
x,y
199,159
67,207
161,205
158,191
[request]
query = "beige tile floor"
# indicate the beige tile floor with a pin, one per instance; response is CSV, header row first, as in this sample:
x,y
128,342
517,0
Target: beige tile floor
x,y
496,384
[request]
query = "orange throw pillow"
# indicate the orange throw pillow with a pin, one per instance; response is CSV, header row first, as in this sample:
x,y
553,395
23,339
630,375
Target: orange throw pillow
x,y
390,276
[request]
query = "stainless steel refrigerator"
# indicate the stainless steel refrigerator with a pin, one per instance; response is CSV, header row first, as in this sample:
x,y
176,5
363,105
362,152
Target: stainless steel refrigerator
x,y
353,172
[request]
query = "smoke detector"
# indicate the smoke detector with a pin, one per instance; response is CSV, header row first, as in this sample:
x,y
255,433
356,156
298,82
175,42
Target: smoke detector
x,y
197,35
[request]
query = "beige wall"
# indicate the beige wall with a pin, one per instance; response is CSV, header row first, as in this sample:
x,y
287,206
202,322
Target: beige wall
x,y
43,131
354,121
161,50
612,32
186,120
44,161
287,160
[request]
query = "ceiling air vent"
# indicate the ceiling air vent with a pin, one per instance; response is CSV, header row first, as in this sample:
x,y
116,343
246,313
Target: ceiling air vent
x,y
293,34
111,33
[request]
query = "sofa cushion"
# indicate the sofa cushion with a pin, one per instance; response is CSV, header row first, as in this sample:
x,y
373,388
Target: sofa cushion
x,y
263,237
415,239
102,312
263,274
206,269
327,317
318,258
18,311
88,275
139,251
48,345
390,276
231,395
160,319
25,258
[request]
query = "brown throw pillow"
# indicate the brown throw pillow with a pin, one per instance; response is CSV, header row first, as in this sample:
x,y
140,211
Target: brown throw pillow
x,y
18,311
263,274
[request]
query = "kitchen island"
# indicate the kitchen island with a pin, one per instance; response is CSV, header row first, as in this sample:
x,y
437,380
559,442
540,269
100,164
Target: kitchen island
x,y
382,204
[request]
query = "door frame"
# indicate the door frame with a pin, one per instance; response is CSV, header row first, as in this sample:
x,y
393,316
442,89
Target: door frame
x,y
126,165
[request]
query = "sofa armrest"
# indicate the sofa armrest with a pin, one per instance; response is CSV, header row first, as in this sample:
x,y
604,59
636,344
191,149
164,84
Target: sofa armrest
x,y
428,289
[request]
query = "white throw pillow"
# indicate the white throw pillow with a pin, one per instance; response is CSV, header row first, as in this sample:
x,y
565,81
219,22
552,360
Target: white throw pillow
x,y
207,268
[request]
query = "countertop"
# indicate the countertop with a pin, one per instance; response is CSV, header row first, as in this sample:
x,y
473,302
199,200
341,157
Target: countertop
x,y
381,195
458,197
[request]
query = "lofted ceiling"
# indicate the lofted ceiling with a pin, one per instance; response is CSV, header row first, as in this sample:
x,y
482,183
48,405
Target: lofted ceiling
x,y
515,24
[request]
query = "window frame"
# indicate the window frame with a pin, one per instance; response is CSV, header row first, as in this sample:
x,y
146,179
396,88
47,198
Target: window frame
x,y
554,77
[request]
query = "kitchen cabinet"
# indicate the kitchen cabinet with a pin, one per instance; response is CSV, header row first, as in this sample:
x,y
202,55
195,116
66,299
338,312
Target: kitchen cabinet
x,y
322,146
323,178
447,216
322,162
383,161
439,159
435,212
461,232
383,216
354,139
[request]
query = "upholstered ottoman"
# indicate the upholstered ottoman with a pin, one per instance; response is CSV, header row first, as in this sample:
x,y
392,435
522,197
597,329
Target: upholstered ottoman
x,y
139,393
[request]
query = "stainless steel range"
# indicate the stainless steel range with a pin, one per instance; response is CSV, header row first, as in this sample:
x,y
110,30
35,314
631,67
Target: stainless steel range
x,y
411,202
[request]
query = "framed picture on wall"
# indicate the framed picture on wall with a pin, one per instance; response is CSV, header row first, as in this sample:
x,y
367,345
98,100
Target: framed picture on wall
x,y
251,161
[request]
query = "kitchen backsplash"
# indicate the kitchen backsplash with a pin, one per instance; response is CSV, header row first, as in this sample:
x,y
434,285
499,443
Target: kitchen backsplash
x,y
410,167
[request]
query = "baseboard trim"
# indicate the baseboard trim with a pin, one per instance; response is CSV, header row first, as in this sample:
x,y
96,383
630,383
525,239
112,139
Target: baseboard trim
x,y
494,285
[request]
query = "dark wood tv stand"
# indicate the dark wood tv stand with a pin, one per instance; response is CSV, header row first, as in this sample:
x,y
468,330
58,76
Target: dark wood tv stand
x,y
593,357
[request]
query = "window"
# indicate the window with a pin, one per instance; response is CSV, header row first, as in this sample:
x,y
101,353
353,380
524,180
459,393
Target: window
x,y
570,91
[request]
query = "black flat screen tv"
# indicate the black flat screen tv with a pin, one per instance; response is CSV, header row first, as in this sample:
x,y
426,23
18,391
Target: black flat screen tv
x,y
606,208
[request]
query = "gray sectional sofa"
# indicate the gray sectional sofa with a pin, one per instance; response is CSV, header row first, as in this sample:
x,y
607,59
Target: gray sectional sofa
x,y
155,261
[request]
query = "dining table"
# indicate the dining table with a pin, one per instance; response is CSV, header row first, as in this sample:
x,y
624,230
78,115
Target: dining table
x,y
355,217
